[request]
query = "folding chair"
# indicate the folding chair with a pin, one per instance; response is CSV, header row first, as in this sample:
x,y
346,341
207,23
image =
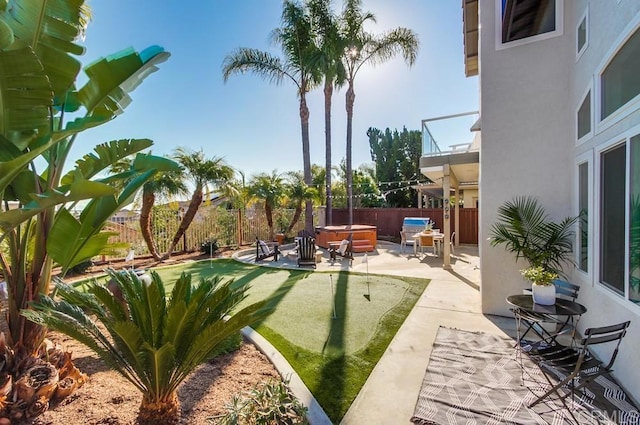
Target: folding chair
x,y
578,365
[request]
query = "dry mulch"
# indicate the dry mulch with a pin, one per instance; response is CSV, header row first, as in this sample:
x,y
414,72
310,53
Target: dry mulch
x,y
108,399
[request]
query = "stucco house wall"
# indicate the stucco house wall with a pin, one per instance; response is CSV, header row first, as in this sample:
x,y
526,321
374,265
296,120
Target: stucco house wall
x,y
529,96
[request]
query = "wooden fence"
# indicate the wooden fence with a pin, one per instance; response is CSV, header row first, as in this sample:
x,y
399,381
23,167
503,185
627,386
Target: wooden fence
x,y
389,220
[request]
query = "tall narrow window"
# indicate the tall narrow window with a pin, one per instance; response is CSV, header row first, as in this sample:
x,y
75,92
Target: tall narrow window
x,y
612,217
582,35
634,222
584,117
583,205
620,80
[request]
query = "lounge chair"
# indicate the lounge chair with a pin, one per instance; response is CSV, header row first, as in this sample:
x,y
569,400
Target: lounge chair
x,y
344,250
263,251
307,252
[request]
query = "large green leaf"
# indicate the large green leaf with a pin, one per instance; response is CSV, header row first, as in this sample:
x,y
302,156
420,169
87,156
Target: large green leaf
x,y
105,155
25,95
50,27
113,77
70,241
6,35
79,191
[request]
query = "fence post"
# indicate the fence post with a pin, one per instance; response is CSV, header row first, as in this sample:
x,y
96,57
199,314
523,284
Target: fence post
x,y
239,221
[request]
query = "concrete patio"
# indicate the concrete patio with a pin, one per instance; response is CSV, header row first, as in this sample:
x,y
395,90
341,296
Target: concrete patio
x,y
452,299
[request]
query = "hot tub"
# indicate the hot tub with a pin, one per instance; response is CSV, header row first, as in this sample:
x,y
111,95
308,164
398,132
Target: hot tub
x,y
364,236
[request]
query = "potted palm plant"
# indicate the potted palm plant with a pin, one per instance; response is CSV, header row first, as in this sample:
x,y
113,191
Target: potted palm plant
x,y
523,227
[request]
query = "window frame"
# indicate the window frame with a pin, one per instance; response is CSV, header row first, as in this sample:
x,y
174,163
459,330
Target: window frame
x,y
580,140
620,139
585,18
534,38
585,158
629,107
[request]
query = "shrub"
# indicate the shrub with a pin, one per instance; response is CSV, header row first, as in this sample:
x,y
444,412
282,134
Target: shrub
x,y
268,403
209,247
229,345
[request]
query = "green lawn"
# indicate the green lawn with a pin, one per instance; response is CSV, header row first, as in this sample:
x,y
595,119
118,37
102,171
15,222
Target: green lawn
x,y
333,356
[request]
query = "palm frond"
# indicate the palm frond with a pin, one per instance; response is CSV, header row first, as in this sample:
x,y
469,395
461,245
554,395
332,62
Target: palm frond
x,y
263,64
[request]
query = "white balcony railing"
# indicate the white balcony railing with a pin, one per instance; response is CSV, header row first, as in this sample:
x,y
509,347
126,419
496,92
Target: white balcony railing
x,y
450,129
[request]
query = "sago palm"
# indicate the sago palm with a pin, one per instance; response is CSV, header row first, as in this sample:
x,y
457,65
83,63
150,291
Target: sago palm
x,y
295,37
363,48
152,340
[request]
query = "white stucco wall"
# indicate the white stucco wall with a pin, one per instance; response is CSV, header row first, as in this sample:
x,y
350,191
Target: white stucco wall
x,y
529,98
525,149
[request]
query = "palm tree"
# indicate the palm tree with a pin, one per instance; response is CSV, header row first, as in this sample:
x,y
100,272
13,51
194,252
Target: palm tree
x,y
364,48
523,227
298,192
295,37
330,48
152,340
202,172
270,189
164,186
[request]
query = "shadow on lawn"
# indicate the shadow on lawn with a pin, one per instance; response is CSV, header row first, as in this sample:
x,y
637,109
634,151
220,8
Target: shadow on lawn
x,y
332,375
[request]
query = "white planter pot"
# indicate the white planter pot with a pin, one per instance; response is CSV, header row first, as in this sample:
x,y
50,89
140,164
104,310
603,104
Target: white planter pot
x,y
543,294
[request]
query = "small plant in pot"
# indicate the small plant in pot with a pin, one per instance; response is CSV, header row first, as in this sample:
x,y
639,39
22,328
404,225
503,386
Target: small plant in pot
x,y
543,290
523,227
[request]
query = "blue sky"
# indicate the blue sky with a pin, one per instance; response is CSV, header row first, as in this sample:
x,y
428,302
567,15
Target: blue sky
x,y
253,124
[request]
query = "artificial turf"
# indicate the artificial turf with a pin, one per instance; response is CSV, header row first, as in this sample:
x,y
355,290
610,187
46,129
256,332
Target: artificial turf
x,y
332,327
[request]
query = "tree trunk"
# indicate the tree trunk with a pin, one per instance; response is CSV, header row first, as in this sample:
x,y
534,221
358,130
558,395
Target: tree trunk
x,y
165,411
269,213
328,92
196,200
296,217
148,200
350,99
306,158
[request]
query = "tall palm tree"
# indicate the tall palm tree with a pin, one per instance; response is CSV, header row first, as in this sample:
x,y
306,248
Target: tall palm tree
x,y
363,48
270,189
295,37
203,172
153,340
330,48
298,192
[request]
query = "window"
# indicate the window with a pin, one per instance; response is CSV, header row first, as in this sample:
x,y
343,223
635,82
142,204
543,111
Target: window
x,y
634,221
620,79
619,198
612,202
524,21
582,35
583,210
584,117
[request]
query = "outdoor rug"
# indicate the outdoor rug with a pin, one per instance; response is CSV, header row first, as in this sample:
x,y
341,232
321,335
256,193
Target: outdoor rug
x,y
477,378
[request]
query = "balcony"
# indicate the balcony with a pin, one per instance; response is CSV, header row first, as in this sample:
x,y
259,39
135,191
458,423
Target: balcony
x,y
451,146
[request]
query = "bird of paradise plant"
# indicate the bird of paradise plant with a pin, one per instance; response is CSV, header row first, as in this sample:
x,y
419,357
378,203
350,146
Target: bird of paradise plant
x,y
60,214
